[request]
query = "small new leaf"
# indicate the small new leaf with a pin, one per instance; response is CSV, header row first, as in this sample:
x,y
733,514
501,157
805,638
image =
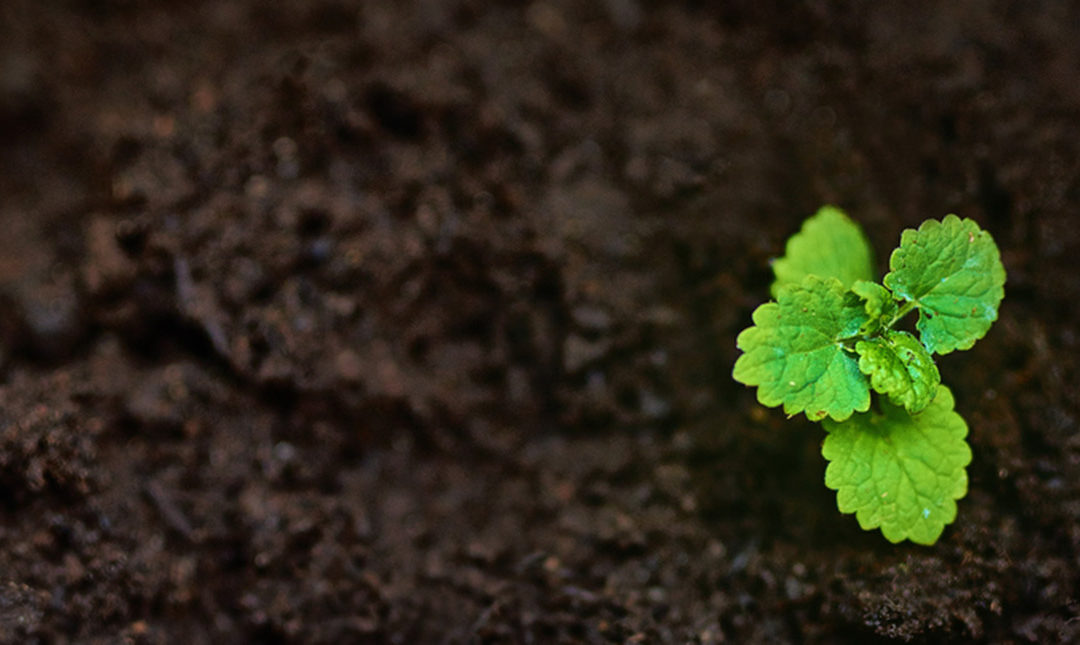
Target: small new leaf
x,y
900,472
952,271
829,245
899,366
879,303
794,352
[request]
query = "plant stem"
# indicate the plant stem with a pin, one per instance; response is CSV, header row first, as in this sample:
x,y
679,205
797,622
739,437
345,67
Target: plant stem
x,y
848,344
905,310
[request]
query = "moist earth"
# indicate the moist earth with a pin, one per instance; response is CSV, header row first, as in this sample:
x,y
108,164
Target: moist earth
x,y
406,322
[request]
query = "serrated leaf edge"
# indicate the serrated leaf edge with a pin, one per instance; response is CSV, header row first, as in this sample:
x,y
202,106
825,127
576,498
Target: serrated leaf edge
x,y
849,362
926,228
864,516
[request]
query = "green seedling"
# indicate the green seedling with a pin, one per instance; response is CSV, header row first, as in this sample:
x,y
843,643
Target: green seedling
x,y
831,338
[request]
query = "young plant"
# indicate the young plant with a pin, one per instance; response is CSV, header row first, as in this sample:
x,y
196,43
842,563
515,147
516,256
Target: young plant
x,y
832,336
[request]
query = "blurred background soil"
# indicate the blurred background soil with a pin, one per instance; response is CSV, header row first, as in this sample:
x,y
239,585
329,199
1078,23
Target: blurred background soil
x,y
413,321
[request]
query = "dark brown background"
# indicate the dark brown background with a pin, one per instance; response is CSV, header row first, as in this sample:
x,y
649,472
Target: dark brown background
x,y
413,321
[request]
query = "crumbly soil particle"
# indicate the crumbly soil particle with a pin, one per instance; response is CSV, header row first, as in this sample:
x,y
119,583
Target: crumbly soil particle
x,y
413,321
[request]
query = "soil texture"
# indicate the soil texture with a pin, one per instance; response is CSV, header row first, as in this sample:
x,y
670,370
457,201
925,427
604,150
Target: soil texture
x,y
412,321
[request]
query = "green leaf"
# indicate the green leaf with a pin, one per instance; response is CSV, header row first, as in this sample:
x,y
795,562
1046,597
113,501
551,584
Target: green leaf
x,y
879,303
900,472
795,356
952,271
830,245
899,366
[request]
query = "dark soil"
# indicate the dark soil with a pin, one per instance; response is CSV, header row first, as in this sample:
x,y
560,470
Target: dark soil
x,y
413,321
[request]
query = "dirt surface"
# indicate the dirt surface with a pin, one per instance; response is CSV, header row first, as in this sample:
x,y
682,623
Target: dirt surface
x,y
408,322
